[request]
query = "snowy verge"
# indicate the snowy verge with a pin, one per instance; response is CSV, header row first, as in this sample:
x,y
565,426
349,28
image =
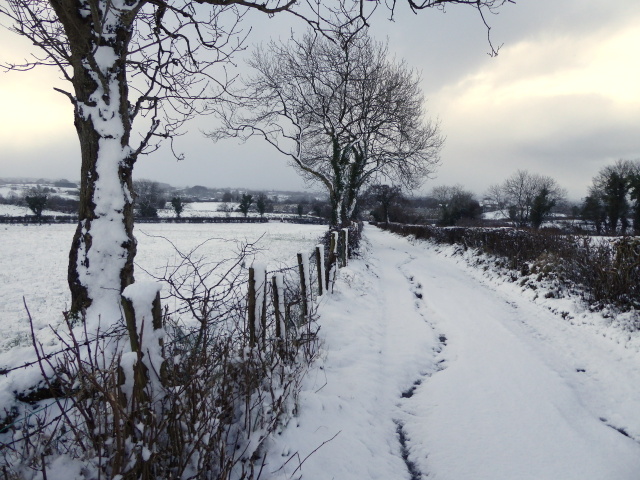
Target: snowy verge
x,y
567,303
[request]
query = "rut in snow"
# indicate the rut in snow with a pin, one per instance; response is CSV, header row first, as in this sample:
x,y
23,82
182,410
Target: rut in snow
x,y
405,441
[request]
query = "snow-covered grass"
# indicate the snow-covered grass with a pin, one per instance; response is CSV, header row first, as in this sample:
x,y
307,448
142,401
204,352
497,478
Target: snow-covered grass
x,y
34,261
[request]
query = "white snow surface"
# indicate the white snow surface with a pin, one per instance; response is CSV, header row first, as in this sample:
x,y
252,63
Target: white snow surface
x,y
19,211
34,261
426,358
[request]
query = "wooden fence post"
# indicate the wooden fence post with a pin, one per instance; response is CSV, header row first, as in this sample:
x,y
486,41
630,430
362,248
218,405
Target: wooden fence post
x,y
346,246
320,268
251,307
278,304
141,371
303,268
130,317
263,315
332,259
256,303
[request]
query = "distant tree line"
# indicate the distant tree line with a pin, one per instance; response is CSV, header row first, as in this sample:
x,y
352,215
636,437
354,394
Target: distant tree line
x,y
524,199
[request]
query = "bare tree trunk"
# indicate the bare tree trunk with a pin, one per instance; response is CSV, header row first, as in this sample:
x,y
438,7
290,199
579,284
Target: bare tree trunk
x,y
336,208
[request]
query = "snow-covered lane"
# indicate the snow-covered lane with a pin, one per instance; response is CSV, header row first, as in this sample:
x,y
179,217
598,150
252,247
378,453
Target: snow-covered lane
x,y
502,408
372,352
425,360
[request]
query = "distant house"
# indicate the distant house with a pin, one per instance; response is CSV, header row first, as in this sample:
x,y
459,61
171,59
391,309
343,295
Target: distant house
x,y
489,205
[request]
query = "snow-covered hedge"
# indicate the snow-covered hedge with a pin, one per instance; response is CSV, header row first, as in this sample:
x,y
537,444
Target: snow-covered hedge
x,y
604,272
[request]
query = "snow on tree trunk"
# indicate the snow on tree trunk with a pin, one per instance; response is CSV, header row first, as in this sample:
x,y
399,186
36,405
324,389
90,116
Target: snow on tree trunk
x,y
147,335
336,208
350,209
103,248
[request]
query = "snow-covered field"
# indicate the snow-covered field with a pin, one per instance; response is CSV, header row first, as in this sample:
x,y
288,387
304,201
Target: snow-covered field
x,y
21,211
34,259
20,190
219,209
433,370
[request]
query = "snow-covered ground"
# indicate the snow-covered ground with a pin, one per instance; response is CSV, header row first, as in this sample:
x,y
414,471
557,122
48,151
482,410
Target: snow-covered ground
x,y
430,367
21,211
495,215
432,370
34,260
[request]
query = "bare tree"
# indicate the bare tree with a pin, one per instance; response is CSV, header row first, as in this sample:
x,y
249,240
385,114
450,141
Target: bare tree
x,y
148,198
245,203
148,63
344,114
523,192
263,204
382,198
36,199
178,205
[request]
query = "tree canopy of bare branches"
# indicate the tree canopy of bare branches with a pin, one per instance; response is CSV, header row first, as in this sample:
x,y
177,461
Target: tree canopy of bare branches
x,y
527,198
343,113
137,70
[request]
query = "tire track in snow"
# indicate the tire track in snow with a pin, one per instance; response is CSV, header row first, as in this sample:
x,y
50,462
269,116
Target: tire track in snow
x,y
439,364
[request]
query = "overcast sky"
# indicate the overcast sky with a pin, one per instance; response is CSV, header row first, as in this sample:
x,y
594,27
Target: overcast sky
x,y
561,99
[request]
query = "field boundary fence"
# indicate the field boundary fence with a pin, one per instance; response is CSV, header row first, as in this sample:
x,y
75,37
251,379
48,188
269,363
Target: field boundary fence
x,y
286,295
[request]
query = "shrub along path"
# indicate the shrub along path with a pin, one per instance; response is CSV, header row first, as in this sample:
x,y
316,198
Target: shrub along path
x,y
430,372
